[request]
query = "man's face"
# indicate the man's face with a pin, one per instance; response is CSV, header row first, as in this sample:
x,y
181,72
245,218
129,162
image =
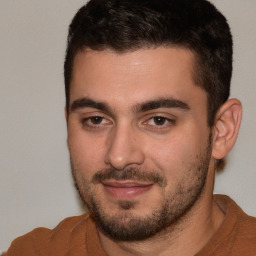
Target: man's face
x,y
138,138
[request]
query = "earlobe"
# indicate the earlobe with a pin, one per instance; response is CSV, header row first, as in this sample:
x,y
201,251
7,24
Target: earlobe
x,y
226,128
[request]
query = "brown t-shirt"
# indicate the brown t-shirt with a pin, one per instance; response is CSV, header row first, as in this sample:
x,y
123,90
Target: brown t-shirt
x,y
77,236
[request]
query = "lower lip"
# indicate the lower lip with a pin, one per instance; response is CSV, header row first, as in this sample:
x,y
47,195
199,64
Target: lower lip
x,y
126,193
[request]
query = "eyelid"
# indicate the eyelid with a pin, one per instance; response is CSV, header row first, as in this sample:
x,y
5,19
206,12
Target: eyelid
x,y
92,112
171,121
87,116
166,119
166,115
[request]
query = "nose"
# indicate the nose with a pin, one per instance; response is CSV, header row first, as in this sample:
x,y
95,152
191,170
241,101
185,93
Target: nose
x,y
123,148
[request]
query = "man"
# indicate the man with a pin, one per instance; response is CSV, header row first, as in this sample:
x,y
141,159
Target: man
x,y
149,120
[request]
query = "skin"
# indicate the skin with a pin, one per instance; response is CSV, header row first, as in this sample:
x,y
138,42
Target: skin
x,y
118,133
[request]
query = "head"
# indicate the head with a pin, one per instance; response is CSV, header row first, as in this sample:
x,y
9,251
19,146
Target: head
x,y
129,25
145,83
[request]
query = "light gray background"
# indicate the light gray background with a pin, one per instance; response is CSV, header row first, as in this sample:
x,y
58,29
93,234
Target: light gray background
x,y
36,188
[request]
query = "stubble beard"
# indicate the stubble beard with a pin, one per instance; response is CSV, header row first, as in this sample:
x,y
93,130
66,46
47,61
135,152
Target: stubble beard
x,y
172,210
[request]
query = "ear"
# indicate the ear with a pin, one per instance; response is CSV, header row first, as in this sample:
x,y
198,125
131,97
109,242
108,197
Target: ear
x,y
226,128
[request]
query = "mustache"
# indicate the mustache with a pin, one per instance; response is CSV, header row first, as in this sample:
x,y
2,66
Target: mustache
x,y
128,174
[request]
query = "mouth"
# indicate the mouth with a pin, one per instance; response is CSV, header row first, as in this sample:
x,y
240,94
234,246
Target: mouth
x,y
125,190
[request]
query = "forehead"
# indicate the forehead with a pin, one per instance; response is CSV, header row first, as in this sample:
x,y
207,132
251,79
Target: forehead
x,y
134,76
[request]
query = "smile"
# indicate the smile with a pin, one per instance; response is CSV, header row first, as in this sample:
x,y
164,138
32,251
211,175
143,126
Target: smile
x,y
125,190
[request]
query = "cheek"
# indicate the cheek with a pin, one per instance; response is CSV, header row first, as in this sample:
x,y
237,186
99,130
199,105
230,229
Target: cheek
x,y
86,152
175,154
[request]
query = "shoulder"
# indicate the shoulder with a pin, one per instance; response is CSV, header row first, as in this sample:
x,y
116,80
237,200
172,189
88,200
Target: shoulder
x,y
236,235
246,229
243,237
38,240
241,220
240,228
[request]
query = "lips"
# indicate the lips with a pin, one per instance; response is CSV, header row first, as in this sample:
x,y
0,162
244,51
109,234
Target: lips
x,y
125,190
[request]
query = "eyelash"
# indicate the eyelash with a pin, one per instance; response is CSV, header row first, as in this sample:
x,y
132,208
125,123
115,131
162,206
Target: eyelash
x,y
166,122
85,121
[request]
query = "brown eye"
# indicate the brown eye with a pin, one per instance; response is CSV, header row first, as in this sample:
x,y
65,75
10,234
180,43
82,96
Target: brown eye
x,y
96,119
95,122
159,120
159,123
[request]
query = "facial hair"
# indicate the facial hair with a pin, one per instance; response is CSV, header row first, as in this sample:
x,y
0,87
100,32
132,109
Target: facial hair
x,y
173,207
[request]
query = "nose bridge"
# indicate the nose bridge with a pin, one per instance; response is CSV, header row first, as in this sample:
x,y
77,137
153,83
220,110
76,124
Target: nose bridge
x,y
123,147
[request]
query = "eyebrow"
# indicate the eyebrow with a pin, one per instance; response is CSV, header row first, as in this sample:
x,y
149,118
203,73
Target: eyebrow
x,y
89,103
141,107
161,103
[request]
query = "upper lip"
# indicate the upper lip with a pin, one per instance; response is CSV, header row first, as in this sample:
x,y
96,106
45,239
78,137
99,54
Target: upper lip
x,y
125,184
